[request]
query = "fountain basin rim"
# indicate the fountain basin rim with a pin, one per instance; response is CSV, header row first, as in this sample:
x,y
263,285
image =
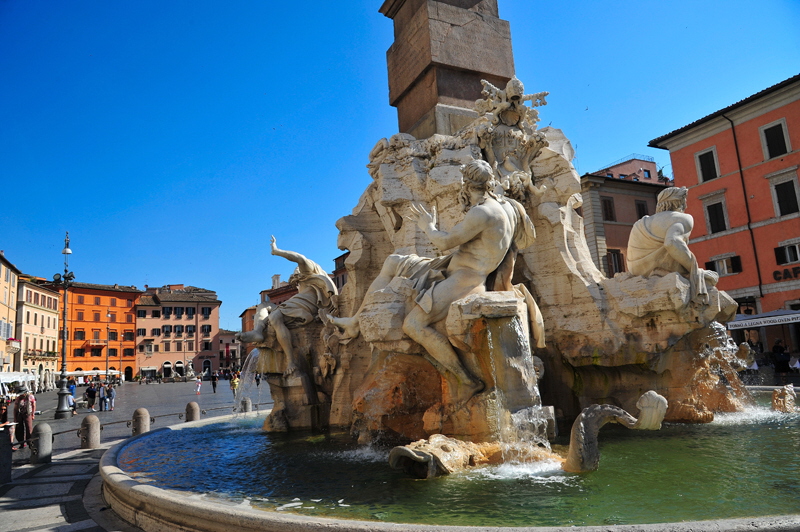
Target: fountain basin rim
x,y
155,509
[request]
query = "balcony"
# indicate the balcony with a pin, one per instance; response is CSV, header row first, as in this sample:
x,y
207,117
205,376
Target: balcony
x,y
13,346
95,342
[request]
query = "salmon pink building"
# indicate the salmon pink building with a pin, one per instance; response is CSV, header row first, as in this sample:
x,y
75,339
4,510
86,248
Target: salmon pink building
x,y
740,165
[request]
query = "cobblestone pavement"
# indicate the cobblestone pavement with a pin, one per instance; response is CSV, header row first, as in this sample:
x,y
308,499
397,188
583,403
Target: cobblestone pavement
x,y
65,495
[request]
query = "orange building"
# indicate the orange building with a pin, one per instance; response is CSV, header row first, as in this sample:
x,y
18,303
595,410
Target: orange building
x,y
740,165
101,323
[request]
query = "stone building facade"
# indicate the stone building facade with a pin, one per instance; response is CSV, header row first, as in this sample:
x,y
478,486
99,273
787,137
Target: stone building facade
x,y
9,344
38,318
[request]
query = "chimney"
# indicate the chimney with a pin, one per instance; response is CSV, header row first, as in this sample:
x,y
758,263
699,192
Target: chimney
x,y
276,281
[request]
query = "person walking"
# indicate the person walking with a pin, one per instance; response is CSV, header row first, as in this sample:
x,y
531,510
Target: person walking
x,y
24,410
197,384
214,379
91,397
112,395
102,396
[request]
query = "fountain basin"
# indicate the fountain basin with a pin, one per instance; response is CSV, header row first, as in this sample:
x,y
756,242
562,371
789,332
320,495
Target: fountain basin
x,y
151,508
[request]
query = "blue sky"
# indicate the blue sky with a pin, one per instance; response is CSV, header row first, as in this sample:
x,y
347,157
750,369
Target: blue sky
x,y
171,139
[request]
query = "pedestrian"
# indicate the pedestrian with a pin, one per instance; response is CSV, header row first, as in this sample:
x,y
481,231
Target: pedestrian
x,y
91,396
214,379
112,395
258,379
102,396
24,410
234,383
72,404
5,424
197,384
71,387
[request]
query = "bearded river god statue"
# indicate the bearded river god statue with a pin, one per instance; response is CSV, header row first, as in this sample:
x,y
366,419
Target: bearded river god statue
x,y
467,257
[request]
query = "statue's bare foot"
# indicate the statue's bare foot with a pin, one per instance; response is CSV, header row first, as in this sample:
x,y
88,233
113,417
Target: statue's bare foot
x,y
350,326
466,391
291,369
251,336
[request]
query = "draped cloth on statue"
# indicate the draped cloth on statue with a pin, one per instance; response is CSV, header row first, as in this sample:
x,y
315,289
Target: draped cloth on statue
x,y
316,291
647,253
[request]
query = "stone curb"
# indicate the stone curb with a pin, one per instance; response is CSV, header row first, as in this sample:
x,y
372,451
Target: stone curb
x,y
156,510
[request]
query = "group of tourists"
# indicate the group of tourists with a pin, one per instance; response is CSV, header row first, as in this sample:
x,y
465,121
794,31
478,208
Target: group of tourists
x,y
216,376
24,410
103,395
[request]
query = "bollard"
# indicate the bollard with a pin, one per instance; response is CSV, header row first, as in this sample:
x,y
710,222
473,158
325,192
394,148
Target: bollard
x,y
192,412
141,421
5,455
42,444
247,405
90,432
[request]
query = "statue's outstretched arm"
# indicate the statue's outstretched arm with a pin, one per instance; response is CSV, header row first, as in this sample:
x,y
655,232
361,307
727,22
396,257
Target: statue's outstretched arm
x,y
302,261
467,229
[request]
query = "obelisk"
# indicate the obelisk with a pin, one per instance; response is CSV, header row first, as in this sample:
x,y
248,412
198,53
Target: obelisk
x,y
441,51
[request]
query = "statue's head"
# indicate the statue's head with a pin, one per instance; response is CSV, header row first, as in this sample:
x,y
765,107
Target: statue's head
x,y
514,90
672,199
478,179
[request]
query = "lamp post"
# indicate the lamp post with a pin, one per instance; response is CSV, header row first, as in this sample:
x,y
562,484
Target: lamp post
x,y
63,410
108,339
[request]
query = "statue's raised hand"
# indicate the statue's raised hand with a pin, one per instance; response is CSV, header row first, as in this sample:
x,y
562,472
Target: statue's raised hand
x,y
273,244
421,216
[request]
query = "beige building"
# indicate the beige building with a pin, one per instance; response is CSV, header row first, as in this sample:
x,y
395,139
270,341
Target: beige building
x,y
37,329
177,327
9,344
614,198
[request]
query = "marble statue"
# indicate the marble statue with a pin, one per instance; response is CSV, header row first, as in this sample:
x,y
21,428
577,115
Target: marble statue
x,y
783,399
660,242
485,242
507,136
315,292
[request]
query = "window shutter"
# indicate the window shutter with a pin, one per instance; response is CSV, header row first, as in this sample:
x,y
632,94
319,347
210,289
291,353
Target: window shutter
x,y
780,255
711,266
736,264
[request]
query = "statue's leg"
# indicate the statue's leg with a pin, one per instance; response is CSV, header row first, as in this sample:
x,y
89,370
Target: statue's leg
x,y
284,338
417,326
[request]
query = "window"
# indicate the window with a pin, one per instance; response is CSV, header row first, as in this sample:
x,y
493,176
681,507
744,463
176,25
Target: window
x,y
112,318
706,162
141,348
141,332
774,140
179,330
113,352
35,319
206,312
190,330
156,313
113,302
178,346
623,176
725,265
80,300
80,315
206,329
607,205
207,346
190,346
128,352
80,334
155,332
615,262
97,352
78,352
128,318
113,335
716,217
96,316
129,303
167,312
28,317
167,330
141,313
190,312
155,348
166,347
178,312
128,336
95,335
647,174
787,254
97,301
783,183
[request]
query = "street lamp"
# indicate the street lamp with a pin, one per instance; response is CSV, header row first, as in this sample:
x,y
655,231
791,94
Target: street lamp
x,y
108,338
64,411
